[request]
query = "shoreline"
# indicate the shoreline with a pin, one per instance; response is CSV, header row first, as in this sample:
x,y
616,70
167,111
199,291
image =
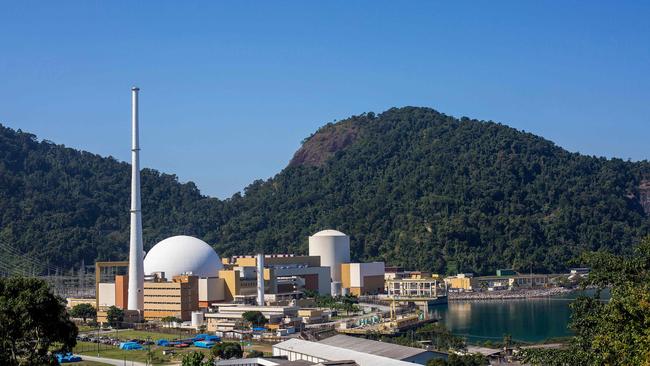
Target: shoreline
x,y
507,294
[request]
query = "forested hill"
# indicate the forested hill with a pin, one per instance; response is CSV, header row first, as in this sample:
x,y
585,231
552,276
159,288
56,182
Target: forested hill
x,y
411,186
62,205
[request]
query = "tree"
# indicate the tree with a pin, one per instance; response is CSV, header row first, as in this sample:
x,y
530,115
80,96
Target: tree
x,y
349,304
440,337
416,188
115,316
507,341
437,362
616,332
227,350
33,321
83,311
171,319
254,354
474,359
196,359
256,318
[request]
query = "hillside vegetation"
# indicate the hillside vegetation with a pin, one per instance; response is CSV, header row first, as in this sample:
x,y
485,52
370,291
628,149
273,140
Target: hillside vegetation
x,y
412,186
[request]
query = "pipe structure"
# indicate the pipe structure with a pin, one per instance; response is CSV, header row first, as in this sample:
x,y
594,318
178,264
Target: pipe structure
x,y
136,251
260,279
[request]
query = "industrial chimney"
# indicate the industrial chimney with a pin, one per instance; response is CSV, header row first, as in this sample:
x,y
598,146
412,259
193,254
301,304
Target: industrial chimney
x,y
260,279
136,266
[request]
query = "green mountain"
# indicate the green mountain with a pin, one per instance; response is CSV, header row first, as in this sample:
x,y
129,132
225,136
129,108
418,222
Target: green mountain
x,y
412,186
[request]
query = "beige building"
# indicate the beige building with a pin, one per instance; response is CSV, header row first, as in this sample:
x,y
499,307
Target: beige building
x,y
273,260
518,281
176,298
228,316
467,282
363,278
283,275
211,290
462,282
406,288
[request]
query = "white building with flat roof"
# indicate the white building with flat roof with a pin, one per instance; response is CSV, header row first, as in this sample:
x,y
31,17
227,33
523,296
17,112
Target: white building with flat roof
x,y
298,349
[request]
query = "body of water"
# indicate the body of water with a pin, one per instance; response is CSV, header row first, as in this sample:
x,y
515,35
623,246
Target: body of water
x,y
526,320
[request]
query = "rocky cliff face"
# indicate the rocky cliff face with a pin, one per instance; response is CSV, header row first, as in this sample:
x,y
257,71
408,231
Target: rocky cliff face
x,y
318,148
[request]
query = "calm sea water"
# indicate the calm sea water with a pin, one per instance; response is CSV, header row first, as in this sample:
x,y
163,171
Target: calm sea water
x,y
526,320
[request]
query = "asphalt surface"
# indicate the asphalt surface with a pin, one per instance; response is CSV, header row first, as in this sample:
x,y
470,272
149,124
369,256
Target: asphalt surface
x,y
112,361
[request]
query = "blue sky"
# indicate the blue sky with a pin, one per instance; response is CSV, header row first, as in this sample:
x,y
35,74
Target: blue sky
x,y
229,89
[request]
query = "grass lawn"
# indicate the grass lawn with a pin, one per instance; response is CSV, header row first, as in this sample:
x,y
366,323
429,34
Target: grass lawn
x,y
89,363
262,347
87,348
85,328
144,334
126,334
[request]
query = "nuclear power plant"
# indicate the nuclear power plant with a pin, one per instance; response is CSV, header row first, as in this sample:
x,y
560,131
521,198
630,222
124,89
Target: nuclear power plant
x,y
184,278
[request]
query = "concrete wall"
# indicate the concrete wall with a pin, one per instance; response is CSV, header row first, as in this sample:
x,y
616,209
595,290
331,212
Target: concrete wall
x,y
106,294
121,291
211,289
355,275
231,283
373,284
359,271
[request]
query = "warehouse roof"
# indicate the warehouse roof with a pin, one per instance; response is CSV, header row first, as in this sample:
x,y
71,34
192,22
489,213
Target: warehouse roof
x,y
332,353
384,349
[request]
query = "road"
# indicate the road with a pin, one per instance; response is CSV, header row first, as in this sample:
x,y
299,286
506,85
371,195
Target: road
x,y
112,361
94,332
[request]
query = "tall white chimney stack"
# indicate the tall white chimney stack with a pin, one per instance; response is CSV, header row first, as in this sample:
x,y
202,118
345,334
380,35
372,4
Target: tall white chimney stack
x,y
136,264
260,279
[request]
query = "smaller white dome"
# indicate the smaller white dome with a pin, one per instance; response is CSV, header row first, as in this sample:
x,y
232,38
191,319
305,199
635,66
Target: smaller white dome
x,y
182,254
329,232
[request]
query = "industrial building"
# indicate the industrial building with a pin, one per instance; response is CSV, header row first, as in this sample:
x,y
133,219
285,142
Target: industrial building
x,y
226,317
462,282
363,278
182,274
180,255
284,274
300,350
178,295
178,298
505,279
211,280
333,248
270,361
384,349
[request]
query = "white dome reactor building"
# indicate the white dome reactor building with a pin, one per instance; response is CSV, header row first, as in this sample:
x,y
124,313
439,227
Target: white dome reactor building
x,y
183,254
333,247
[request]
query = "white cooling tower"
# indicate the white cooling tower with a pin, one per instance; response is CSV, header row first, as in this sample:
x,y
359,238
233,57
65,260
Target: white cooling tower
x,y
333,247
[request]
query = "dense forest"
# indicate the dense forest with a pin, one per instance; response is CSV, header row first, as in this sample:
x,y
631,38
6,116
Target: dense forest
x,y
411,186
